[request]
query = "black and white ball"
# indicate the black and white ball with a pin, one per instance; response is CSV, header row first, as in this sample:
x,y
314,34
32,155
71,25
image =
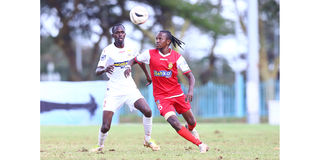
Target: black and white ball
x,y
139,15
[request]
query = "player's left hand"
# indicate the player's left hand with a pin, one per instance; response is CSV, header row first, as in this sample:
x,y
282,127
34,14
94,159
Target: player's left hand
x,y
189,97
149,81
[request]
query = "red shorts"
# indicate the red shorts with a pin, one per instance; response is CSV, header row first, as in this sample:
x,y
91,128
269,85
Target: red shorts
x,y
173,104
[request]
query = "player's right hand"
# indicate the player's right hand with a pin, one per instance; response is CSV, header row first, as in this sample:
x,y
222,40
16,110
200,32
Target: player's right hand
x,y
127,72
109,69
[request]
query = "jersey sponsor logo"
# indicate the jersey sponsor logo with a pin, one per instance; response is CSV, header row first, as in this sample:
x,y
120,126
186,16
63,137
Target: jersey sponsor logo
x,y
170,65
166,74
163,59
120,64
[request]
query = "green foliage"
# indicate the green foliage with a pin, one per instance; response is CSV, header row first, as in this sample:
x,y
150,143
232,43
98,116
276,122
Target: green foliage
x,y
270,9
203,15
125,141
50,52
79,18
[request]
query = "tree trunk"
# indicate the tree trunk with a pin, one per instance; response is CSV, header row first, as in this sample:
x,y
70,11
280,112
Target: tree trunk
x,y
70,53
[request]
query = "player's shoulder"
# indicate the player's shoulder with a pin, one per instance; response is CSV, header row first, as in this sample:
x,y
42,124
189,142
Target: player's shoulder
x,y
153,51
130,47
108,49
176,54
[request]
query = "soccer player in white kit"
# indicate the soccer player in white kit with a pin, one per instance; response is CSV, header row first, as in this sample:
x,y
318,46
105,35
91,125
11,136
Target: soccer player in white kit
x,y
121,89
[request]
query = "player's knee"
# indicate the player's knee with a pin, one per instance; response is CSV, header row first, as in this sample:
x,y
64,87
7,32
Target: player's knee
x,y
148,113
105,128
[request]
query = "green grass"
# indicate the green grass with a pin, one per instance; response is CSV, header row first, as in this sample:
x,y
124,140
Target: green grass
x,y
125,142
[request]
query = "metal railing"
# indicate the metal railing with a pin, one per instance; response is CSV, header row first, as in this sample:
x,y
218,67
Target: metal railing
x,y
217,100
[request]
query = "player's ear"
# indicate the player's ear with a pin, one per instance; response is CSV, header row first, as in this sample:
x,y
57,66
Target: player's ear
x,y
168,41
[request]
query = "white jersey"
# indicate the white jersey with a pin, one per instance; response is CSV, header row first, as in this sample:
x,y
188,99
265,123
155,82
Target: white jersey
x,y
118,84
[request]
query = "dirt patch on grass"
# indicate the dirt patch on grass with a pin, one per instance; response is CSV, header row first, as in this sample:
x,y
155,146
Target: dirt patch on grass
x,y
83,150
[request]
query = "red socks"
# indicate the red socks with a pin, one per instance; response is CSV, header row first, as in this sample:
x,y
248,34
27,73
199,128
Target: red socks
x,y
188,136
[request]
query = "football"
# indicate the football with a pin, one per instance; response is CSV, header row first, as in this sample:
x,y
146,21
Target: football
x,y
139,15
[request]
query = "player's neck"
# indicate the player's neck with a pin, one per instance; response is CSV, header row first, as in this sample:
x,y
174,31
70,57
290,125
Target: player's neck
x,y
165,51
118,44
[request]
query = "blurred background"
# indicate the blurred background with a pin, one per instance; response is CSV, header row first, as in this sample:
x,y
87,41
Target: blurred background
x,y
218,49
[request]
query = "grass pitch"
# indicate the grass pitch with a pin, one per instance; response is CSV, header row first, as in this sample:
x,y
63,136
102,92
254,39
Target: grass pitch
x,y
125,142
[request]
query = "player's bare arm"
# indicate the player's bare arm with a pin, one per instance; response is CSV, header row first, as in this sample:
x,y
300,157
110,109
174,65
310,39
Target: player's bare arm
x,y
191,86
100,70
143,67
128,70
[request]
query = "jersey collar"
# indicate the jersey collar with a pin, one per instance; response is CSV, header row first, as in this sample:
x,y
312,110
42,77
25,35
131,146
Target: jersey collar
x,y
165,55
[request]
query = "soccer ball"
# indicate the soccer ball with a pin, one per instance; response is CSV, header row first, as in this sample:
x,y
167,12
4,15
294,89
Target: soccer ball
x,y
139,15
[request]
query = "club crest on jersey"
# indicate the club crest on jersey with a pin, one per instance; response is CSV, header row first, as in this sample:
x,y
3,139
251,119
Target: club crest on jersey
x,y
103,57
158,105
166,74
120,64
170,65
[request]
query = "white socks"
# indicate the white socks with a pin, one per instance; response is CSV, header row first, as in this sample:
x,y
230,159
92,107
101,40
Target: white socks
x,y
147,124
101,138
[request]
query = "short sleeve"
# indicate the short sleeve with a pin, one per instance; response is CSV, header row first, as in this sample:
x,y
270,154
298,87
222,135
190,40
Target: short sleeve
x,y
104,59
135,52
144,57
182,65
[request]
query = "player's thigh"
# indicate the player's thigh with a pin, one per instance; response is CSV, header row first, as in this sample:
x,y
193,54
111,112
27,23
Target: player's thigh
x,y
131,97
113,103
142,105
165,107
181,105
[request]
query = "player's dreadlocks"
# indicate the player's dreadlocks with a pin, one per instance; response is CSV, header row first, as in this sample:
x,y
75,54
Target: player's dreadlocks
x,y
175,41
117,25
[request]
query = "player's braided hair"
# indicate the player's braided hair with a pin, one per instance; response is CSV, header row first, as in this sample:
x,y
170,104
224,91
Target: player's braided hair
x,y
175,41
117,25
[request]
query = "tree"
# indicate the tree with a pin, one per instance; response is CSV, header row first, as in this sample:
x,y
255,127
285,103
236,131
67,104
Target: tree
x,y
203,14
269,42
88,19
79,18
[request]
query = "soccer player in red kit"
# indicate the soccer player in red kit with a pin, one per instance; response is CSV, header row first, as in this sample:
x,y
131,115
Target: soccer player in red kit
x,y
164,63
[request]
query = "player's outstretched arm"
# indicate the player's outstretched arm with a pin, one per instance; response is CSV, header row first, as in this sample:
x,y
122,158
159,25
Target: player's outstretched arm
x,y
128,70
191,86
143,67
132,62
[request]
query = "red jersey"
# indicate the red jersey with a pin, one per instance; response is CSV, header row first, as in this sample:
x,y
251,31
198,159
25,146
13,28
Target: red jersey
x,y
164,71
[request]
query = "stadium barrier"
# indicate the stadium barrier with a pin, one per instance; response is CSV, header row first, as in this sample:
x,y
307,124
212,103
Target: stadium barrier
x,y
218,100
80,103
72,103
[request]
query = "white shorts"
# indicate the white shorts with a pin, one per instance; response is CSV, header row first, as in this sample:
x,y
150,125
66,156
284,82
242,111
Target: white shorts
x,y
113,103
